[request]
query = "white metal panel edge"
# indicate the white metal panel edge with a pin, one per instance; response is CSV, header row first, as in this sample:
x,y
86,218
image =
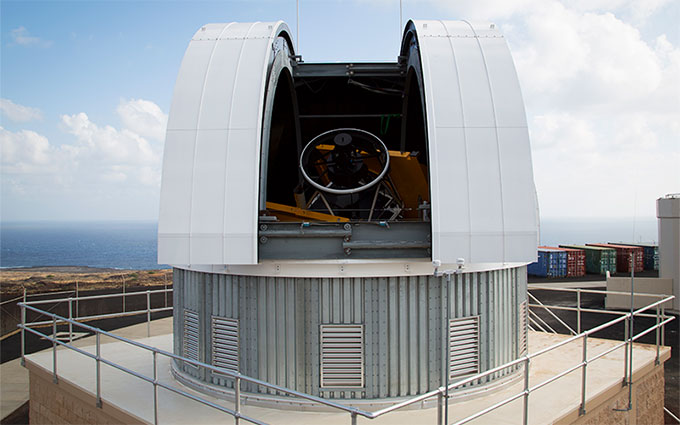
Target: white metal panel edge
x,y
206,218
483,197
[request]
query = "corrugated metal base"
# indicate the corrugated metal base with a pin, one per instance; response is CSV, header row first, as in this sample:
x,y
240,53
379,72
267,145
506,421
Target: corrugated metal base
x,y
297,404
403,318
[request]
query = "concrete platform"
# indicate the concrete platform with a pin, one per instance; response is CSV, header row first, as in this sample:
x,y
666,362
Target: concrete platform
x,y
13,387
557,402
571,285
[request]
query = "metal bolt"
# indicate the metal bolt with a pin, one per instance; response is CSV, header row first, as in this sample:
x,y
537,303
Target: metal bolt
x,y
347,226
348,251
263,239
263,227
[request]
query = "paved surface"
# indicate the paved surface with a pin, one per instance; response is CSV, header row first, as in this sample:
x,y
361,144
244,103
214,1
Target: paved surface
x,y
546,404
13,387
14,377
583,285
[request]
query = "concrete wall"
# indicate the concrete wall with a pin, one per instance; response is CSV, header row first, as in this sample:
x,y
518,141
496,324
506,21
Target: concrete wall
x,y
647,396
668,212
65,403
643,285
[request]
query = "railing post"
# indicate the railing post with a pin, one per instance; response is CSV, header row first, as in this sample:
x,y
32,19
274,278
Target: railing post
x,y
625,352
440,407
23,331
578,309
54,349
526,391
165,288
70,316
98,373
155,388
354,418
582,410
663,327
77,296
237,398
148,313
656,360
123,293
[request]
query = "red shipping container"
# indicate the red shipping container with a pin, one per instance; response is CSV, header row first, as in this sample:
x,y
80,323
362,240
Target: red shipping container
x,y
576,261
623,254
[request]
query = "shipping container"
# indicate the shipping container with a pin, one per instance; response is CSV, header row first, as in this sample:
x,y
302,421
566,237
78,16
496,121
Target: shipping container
x,y
598,260
551,263
576,260
651,252
623,256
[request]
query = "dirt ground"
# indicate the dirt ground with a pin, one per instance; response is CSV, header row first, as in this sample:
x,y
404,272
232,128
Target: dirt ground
x,y
66,278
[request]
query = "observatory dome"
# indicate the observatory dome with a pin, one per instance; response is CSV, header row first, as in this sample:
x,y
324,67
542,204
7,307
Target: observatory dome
x,y
349,230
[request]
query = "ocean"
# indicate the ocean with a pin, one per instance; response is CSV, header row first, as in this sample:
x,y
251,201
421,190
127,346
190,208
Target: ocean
x,y
132,244
109,244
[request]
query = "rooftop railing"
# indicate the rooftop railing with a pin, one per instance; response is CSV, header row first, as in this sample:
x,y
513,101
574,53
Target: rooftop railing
x,y
442,394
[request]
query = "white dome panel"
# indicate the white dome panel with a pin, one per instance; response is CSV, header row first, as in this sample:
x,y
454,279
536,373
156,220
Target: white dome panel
x,y
211,161
478,163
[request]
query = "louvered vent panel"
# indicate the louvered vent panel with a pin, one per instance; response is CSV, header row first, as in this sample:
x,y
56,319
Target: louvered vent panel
x,y
225,343
463,346
342,356
523,328
190,348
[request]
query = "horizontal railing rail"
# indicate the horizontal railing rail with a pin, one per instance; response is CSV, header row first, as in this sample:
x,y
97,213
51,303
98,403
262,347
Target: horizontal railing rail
x,y
354,412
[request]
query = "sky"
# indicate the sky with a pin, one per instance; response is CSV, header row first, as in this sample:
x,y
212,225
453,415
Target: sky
x,y
85,90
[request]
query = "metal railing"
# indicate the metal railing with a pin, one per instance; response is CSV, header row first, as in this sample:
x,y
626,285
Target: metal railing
x,y
9,315
441,393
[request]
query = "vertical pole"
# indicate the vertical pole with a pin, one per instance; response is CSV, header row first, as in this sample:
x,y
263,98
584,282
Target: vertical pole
x,y
148,313
440,399
448,348
656,360
54,349
165,288
578,309
625,353
663,327
123,293
631,333
70,316
582,410
77,304
526,391
297,27
155,388
401,20
354,418
237,398
23,332
98,372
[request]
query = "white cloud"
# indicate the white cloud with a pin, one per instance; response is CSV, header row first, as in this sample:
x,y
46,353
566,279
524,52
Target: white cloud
x,y
144,118
104,156
19,113
107,144
24,151
603,103
22,37
637,11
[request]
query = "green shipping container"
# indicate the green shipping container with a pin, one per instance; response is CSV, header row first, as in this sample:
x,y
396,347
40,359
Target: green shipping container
x,y
598,260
